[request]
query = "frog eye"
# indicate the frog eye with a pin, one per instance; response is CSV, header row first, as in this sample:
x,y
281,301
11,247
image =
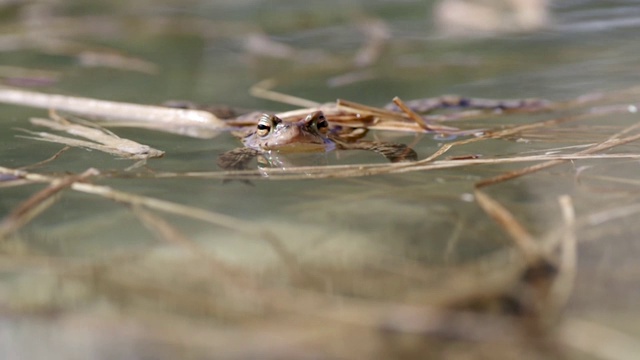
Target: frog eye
x,y
322,123
264,125
263,129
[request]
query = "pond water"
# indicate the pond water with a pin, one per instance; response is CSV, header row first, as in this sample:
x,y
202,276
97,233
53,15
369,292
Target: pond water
x,y
297,268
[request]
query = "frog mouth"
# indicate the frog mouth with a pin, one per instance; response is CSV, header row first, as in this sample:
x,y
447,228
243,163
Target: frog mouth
x,y
303,147
300,140
302,143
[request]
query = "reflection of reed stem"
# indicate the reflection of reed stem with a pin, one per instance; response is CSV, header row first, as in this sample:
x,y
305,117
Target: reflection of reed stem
x,y
39,202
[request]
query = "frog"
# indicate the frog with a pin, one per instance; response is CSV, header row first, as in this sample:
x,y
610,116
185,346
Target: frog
x,y
309,134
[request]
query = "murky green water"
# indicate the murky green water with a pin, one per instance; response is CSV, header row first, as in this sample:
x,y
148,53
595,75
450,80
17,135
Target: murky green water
x,y
89,266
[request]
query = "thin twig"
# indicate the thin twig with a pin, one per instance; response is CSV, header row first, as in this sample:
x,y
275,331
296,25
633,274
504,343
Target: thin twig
x,y
46,161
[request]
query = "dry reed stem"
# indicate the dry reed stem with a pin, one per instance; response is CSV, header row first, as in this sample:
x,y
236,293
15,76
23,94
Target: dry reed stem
x,y
160,117
504,133
265,86
356,108
525,242
390,120
411,114
203,124
609,143
38,202
346,171
563,286
263,90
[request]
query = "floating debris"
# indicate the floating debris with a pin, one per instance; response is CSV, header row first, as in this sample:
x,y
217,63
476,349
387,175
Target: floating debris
x,y
100,139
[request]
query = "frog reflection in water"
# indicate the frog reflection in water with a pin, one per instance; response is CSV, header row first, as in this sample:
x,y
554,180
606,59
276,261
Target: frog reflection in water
x,y
310,134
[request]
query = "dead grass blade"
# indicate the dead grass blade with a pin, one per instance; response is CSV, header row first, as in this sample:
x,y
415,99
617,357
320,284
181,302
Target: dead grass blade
x,y
100,139
44,136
